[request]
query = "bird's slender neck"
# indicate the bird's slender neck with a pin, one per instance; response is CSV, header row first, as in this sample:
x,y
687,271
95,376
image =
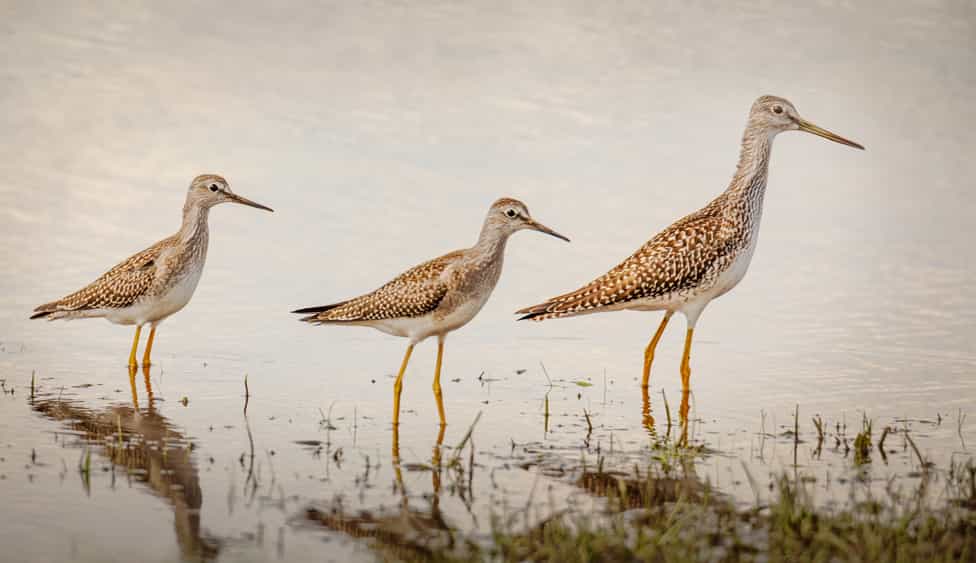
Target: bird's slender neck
x,y
491,241
194,221
749,181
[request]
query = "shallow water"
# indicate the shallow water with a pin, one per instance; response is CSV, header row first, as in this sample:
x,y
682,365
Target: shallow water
x,y
380,133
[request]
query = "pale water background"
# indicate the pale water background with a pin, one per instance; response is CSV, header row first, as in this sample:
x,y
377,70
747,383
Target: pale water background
x,y
380,132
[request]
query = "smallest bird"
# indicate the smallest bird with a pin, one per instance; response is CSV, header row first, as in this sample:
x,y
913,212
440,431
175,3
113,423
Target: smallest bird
x,y
438,296
153,284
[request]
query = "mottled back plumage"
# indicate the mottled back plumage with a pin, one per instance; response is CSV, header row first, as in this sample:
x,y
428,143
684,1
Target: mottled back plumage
x,y
439,295
689,254
119,287
414,293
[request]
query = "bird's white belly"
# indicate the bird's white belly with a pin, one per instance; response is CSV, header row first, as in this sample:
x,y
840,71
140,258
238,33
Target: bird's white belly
x,y
734,274
419,328
461,315
157,307
415,328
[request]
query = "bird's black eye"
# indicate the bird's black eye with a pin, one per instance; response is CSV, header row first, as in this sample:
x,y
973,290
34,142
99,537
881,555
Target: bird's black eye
x,y
777,109
511,213
214,187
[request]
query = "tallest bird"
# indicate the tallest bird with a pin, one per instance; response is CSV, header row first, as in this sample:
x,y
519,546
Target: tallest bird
x,y
699,257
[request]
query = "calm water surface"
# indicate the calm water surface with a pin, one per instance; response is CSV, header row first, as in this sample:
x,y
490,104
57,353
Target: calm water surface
x,y
380,132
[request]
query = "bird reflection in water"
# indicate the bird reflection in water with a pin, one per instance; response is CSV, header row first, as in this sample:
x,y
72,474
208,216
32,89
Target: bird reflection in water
x,y
149,450
647,418
436,468
410,532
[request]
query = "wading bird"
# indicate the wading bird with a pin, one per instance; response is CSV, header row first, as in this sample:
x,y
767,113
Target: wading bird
x,y
700,256
438,296
157,282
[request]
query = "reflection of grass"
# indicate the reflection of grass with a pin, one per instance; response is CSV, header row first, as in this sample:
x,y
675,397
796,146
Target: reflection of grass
x,y
672,516
679,521
661,510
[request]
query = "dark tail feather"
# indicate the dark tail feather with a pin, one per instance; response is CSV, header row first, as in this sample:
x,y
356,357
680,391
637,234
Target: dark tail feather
x,y
319,309
529,316
45,310
542,310
314,312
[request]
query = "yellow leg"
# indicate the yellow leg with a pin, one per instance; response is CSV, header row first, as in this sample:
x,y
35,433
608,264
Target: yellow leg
x,y
135,345
149,343
437,382
646,410
683,414
649,351
398,386
685,359
395,450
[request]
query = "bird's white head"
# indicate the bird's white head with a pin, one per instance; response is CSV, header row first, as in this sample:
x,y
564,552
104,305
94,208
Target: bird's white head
x,y
208,190
508,216
773,115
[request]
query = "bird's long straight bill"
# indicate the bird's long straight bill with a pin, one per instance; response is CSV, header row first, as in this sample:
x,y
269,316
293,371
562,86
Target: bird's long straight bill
x,y
244,201
820,131
544,229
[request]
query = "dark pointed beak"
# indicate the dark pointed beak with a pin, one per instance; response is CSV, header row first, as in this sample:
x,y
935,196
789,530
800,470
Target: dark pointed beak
x,y
821,132
537,226
244,201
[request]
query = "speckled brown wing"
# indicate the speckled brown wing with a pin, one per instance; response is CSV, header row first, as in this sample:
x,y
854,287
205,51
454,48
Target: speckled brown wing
x,y
682,256
115,289
414,293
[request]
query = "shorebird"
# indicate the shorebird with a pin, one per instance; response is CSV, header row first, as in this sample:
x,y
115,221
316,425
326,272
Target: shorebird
x,y
438,296
149,286
700,256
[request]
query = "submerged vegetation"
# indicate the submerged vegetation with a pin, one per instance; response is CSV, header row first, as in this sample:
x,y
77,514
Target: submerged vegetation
x,y
665,517
663,511
700,525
